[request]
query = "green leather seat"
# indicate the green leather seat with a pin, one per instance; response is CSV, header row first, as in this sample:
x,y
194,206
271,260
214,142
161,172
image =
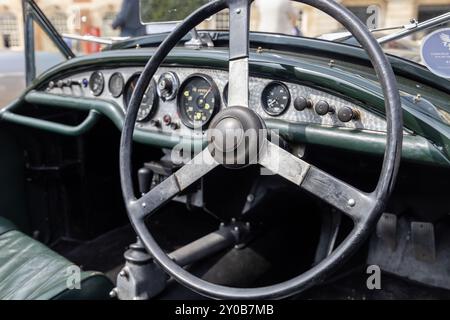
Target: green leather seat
x,y
31,271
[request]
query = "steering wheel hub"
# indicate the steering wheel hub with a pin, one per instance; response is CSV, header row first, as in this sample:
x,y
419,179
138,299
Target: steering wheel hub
x,y
236,136
229,134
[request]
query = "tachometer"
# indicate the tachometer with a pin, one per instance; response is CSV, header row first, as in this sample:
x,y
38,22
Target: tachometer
x,y
149,101
275,98
116,84
198,100
96,83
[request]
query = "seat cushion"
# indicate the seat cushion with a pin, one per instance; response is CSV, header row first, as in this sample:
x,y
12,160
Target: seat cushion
x,y
6,225
31,271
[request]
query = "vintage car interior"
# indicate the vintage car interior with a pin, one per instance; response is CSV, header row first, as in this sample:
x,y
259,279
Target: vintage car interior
x,y
109,164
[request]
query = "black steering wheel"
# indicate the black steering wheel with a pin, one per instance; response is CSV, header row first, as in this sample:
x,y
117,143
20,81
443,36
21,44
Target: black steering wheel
x,y
363,208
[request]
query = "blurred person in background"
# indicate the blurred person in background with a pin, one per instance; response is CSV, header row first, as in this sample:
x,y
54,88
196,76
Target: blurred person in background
x,y
129,20
5,41
277,16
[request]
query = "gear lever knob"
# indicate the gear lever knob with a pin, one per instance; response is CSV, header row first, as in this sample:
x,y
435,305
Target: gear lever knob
x,y
145,176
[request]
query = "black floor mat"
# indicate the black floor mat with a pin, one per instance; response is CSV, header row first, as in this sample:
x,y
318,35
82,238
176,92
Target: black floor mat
x,y
105,253
353,287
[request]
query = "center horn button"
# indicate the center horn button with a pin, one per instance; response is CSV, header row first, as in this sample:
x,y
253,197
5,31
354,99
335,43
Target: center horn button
x,y
236,136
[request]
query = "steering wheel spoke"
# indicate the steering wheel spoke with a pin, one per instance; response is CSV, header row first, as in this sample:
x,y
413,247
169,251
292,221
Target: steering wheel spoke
x,y
351,201
195,169
238,82
335,192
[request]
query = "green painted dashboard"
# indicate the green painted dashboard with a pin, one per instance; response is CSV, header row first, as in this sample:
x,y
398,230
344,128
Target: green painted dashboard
x,y
426,138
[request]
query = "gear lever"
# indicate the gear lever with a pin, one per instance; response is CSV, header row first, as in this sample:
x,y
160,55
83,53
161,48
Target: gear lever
x,y
145,176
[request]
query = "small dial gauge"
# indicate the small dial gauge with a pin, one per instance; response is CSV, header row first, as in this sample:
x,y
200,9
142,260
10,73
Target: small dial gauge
x,y
116,84
225,95
275,98
149,101
168,85
97,83
198,101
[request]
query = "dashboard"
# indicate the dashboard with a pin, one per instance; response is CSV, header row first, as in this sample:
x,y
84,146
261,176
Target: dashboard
x,y
183,101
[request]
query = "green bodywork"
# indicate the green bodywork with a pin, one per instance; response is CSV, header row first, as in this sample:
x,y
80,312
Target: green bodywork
x,y
347,75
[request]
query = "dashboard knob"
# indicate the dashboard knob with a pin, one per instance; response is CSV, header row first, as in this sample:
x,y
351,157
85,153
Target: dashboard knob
x,y
174,126
301,103
346,114
322,108
167,120
155,123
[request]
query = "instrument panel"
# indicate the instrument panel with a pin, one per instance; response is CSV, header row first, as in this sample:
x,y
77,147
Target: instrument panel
x,y
184,100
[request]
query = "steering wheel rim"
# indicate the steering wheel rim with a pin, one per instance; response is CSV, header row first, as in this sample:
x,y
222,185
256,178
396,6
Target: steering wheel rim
x,y
173,185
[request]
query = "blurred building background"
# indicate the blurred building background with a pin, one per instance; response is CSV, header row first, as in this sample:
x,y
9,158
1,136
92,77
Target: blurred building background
x,y
68,16
95,17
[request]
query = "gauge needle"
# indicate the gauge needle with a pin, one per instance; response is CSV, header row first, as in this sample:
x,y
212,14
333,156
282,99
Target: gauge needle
x,y
272,102
206,94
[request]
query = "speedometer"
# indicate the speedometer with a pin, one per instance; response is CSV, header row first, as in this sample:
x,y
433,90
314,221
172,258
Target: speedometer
x,y
275,98
149,101
198,100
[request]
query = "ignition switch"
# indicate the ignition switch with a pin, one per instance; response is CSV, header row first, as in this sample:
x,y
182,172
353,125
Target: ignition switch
x,y
167,86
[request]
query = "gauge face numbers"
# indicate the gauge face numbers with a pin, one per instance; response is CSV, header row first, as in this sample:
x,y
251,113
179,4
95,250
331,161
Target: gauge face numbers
x,y
149,100
275,98
96,83
168,85
198,101
116,84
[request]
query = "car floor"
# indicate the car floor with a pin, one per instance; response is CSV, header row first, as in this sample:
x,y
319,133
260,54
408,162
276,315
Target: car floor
x,y
104,254
270,254
353,287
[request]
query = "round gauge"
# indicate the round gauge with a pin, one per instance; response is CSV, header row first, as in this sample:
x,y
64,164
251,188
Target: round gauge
x,y
149,101
168,85
116,84
198,100
225,95
275,98
97,83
